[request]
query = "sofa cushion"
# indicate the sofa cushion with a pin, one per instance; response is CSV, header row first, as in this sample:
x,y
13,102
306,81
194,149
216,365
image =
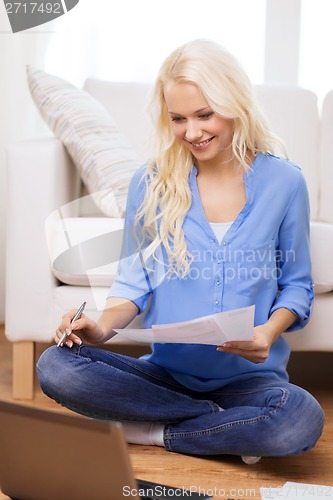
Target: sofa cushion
x,y
103,155
293,115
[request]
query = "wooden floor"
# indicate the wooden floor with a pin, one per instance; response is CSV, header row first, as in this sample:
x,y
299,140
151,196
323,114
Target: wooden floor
x,y
224,477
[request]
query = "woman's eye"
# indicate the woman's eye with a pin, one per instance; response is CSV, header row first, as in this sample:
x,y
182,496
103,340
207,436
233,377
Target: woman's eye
x,y
176,119
206,116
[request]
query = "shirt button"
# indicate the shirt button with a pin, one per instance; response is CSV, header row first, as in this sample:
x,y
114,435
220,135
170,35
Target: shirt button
x,y
216,302
219,261
218,282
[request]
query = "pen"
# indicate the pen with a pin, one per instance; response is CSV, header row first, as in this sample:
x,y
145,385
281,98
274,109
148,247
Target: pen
x,y
76,316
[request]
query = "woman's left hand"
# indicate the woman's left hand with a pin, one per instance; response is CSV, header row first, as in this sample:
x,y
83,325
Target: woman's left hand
x,y
256,350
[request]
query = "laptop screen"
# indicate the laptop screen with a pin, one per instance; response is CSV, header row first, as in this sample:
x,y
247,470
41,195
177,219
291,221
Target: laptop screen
x,y
52,455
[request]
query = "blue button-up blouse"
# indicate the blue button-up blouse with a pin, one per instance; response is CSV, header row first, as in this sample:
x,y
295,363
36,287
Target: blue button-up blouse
x,y
263,259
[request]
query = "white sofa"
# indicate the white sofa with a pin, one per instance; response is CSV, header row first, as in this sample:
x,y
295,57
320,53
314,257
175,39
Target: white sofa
x,y
47,216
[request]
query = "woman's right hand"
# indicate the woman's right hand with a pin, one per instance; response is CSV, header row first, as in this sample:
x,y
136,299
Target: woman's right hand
x,y
83,329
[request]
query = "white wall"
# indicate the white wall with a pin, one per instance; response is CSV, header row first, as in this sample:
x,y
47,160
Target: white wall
x,y
282,43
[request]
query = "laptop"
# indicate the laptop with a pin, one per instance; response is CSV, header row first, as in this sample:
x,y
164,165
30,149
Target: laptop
x,y
47,455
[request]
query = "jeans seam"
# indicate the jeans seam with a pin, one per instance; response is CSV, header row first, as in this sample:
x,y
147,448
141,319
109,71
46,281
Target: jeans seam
x,y
252,391
215,430
221,428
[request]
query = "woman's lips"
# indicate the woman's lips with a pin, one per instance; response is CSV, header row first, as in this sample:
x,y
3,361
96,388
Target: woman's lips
x,y
202,145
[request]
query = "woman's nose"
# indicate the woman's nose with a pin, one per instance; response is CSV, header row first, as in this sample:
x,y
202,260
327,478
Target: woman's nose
x,y
193,131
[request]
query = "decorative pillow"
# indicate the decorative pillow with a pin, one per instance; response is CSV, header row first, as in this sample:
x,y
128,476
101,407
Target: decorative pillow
x,y
103,156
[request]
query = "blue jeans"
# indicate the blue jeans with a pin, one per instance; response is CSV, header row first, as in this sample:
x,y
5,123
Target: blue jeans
x,y
261,417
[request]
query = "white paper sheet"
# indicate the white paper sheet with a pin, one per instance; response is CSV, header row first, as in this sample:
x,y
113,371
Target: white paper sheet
x,y
296,491
215,329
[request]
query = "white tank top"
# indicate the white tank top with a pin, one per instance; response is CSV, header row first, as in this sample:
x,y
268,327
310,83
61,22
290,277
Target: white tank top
x,y
220,229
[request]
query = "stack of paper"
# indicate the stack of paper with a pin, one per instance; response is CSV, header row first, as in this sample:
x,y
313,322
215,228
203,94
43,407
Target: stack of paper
x,y
215,329
297,491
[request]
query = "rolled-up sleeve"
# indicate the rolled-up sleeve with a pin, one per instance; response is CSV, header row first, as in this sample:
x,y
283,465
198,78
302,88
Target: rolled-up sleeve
x,y
293,258
132,281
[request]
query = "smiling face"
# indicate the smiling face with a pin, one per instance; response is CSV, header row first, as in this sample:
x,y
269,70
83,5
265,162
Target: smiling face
x,y
207,135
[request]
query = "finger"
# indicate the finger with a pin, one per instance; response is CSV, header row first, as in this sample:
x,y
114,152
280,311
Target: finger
x,y
72,338
244,344
67,320
61,340
82,323
241,352
257,356
69,342
233,350
76,340
248,355
60,332
69,337
58,335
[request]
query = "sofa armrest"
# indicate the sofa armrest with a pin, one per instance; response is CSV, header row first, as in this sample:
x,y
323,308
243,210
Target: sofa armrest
x,y
40,179
321,252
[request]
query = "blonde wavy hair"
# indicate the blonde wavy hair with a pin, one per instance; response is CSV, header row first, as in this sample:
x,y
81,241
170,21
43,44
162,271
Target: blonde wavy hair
x,y
228,91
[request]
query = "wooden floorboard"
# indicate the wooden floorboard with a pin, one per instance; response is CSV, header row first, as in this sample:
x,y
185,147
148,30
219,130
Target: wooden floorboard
x,y
226,476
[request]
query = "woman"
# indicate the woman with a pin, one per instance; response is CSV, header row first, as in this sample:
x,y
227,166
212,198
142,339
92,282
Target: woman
x,y
215,222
